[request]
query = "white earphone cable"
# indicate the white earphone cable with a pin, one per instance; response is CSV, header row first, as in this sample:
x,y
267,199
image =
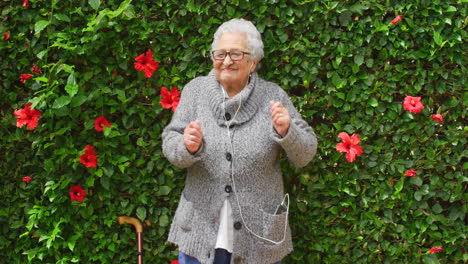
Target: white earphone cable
x,y
286,196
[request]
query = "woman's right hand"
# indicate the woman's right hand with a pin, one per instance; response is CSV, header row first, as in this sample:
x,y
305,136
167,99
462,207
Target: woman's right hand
x,y
193,136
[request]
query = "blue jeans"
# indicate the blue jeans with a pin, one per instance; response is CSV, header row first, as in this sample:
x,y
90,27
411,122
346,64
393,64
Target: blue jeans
x,y
222,256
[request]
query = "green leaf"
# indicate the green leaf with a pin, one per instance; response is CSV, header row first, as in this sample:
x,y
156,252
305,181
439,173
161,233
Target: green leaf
x,y
72,89
437,208
105,183
141,213
373,102
42,53
430,259
324,38
451,8
163,220
437,38
230,10
123,166
359,60
336,80
90,181
40,25
399,185
61,102
94,4
42,79
456,213
71,78
399,228
107,131
164,190
62,17
99,172
140,142
418,181
71,245
78,100
65,67
114,133
123,6
122,159
121,95
345,18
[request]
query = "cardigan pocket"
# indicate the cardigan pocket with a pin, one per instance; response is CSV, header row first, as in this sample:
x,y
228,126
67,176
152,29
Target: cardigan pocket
x,y
274,226
184,214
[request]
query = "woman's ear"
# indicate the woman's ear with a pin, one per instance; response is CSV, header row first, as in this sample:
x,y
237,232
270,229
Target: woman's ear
x,y
253,66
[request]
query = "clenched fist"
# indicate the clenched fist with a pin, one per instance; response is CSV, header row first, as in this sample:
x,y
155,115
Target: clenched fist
x,y
280,117
193,136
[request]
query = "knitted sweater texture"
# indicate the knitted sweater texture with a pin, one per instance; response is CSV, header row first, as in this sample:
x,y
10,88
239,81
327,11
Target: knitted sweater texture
x,y
244,162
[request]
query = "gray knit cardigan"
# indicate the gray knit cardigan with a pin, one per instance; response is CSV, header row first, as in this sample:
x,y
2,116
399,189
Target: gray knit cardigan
x,y
253,159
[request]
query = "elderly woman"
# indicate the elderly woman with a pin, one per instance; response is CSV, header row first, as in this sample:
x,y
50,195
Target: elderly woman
x,y
229,131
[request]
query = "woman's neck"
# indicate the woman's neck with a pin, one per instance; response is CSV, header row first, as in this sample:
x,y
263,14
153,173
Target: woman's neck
x,y
233,90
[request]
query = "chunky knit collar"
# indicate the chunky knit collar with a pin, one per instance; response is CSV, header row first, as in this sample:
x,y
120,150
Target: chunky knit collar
x,y
249,98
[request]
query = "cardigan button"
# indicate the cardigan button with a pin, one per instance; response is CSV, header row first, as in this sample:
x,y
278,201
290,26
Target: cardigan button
x,y
228,156
237,225
228,188
227,116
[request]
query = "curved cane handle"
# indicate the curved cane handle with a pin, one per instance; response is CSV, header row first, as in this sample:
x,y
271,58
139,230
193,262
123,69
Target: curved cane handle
x,y
131,220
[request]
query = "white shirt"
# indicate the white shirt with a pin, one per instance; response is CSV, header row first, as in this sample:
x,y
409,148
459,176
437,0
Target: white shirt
x,y
225,232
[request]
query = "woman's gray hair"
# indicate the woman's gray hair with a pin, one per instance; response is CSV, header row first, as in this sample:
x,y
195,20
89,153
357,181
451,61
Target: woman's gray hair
x,y
240,25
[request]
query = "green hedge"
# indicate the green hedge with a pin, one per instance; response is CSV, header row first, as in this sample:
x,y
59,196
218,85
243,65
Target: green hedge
x,y
347,69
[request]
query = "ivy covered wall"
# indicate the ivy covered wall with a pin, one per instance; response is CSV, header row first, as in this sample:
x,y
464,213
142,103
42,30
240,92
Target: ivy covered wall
x,y
80,124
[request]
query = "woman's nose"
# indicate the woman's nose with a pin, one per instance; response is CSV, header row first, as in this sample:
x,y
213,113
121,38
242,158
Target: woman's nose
x,y
227,60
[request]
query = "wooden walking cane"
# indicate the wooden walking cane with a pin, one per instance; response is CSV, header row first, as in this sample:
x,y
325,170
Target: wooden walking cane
x,y
139,229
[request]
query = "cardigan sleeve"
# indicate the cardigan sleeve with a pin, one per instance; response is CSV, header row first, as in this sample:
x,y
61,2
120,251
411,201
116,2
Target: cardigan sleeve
x,y
172,137
300,142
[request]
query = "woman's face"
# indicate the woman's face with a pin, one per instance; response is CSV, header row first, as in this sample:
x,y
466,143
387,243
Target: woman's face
x,y
233,73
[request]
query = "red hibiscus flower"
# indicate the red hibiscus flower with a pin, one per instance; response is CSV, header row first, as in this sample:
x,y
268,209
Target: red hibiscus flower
x,y
175,262
89,159
397,19
35,69
100,122
24,77
77,193
25,3
411,173
27,179
435,250
349,145
391,181
170,99
413,104
27,116
146,64
6,35
438,118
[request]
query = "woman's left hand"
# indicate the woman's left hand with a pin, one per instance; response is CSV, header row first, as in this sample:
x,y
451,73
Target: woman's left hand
x,y
280,117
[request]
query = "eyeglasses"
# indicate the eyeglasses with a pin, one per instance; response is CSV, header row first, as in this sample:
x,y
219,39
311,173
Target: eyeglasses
x,y
235,55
